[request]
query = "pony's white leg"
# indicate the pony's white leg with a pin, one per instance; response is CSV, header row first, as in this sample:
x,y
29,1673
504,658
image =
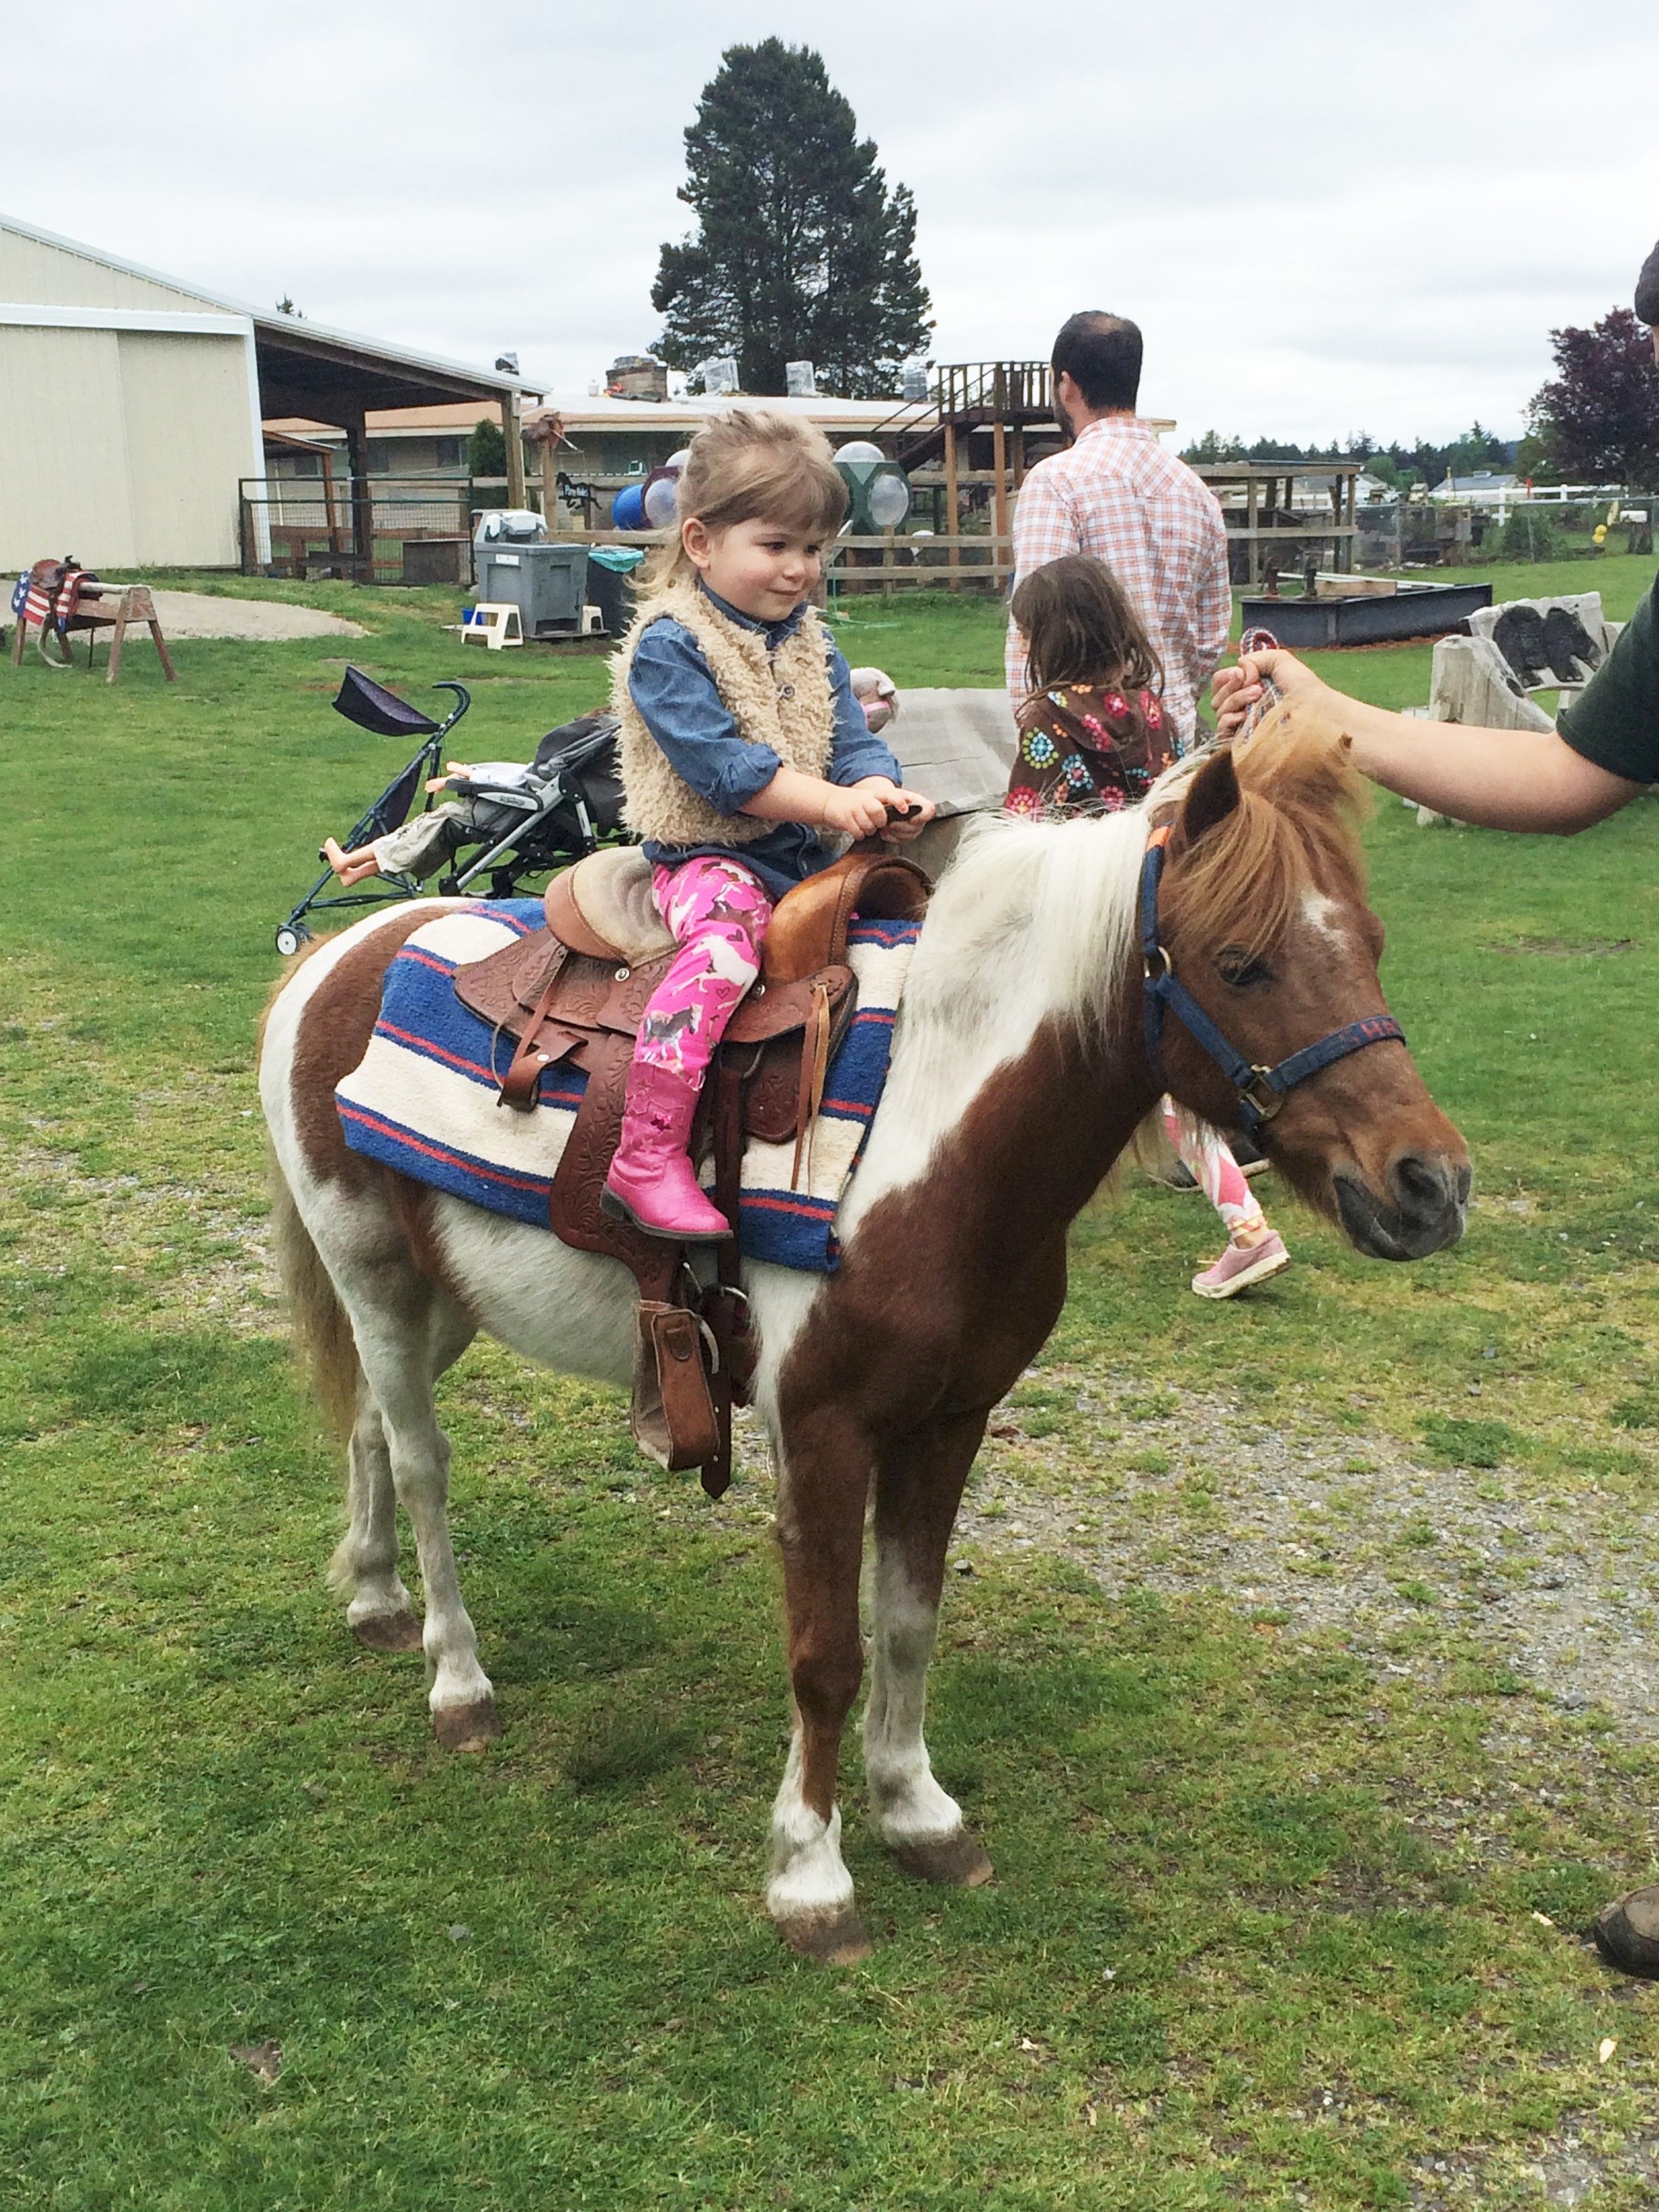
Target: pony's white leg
x,y
918,1821
381,1614
400,1342
918,1487
822,1483
809,1893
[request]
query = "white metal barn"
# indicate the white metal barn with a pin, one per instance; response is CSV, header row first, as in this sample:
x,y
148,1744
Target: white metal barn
x,y
131,404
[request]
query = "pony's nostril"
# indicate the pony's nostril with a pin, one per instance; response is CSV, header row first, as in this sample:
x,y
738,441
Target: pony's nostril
x,y
1465,1183
1423,1186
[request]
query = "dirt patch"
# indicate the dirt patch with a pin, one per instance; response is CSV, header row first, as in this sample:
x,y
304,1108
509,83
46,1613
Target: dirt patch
x,y
1319,1532
198,614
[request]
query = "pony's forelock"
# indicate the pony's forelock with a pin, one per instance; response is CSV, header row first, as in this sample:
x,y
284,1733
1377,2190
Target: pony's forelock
x,y
1300,805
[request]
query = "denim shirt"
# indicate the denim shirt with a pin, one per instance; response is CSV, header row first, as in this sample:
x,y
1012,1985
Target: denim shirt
x,y
672,684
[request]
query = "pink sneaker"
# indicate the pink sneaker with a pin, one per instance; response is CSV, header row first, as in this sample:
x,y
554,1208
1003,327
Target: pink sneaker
x,y
1240,1265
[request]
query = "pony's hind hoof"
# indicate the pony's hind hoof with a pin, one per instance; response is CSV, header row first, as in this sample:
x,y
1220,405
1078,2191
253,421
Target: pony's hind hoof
x,y
828,1938
388,1631
959,1861
466,1728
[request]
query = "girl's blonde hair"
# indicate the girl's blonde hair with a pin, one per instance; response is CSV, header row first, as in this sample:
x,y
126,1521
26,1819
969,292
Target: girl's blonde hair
x,y
749,465
1079,628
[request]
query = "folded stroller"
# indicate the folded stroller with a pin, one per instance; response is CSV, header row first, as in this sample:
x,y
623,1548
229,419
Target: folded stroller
x,y
505,823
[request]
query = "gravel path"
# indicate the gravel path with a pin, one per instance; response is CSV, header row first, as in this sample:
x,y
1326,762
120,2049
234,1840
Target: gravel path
x,y
200,614
1344,1532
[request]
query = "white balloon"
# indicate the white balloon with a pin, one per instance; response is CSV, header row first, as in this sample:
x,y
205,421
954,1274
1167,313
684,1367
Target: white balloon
x,y
661,503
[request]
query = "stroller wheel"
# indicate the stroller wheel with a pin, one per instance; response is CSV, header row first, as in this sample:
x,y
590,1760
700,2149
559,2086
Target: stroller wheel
x,y
290,937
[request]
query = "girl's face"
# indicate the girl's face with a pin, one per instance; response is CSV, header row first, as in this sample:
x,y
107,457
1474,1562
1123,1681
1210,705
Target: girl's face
x,y
764,569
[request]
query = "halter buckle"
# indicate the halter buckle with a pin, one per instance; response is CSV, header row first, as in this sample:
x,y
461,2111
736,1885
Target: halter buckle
x,y
1262,1094
1155,975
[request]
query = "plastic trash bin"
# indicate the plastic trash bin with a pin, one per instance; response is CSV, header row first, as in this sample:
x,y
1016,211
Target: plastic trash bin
x,y
611,585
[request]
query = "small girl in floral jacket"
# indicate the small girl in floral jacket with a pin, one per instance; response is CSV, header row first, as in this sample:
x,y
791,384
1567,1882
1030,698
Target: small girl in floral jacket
x,y
1093,735
1092,731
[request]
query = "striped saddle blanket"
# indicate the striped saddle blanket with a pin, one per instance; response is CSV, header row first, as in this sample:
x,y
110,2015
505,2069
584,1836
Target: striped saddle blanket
x,y
423,1097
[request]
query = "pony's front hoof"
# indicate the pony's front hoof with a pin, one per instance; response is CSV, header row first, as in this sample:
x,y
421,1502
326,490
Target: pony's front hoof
x,y
828,1938
388,1631
466,1728
959,1861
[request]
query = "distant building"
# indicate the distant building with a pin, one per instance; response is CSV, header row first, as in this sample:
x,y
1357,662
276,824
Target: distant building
x,y
131,406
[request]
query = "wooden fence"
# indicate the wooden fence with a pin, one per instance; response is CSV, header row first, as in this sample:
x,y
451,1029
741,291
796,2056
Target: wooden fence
x,y
975,562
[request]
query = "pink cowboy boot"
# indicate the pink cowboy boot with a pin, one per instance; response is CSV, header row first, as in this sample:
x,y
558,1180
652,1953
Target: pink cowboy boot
x,y
651,1183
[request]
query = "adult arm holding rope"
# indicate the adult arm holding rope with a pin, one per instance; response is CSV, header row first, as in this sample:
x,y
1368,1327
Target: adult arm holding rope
x,y
1557,781
1603,751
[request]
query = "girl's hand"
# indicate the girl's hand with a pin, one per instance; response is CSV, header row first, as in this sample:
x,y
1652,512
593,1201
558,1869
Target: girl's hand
x,y
857,809
905,814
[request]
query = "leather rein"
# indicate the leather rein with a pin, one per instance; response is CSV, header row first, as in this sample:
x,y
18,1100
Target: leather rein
x,y
1260,1089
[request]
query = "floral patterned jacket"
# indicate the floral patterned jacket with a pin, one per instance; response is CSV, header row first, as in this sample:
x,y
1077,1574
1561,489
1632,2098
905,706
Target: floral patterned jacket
x,y
1089,745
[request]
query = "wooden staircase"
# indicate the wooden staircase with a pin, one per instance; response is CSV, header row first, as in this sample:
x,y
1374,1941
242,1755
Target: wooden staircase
x,y
998,396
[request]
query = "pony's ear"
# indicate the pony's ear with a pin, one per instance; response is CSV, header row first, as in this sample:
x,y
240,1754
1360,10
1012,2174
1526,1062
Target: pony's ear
x,y
1212,796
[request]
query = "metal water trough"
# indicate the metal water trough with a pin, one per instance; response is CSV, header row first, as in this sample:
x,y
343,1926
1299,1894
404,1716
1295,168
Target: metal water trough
x,y
1412,610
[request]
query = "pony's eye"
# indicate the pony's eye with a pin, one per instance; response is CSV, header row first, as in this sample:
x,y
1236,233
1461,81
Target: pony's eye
x,y
1244,970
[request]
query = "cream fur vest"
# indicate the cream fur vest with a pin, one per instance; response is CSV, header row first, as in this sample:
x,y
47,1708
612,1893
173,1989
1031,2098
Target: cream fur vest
x,y
780,699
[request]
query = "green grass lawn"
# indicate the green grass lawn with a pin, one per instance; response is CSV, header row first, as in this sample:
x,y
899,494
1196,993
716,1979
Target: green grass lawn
x,y
1284,1915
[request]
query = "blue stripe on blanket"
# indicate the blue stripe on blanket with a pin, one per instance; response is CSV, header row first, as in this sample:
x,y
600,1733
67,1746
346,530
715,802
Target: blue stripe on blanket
x,y
428,1082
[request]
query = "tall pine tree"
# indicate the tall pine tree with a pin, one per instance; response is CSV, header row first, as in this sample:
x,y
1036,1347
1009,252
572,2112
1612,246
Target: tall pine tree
x,y
801,251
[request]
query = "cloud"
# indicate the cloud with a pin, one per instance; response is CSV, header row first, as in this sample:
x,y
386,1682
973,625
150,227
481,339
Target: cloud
x,y
1324,219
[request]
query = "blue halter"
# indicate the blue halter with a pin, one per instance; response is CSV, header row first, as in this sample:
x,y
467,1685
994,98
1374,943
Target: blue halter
x,y
1260,1089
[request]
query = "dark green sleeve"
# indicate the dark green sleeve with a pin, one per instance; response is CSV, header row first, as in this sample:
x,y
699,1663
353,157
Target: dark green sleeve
x,y
1614,721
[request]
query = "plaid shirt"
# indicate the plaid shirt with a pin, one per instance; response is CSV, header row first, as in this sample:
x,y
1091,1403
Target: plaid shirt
x,y
1116,493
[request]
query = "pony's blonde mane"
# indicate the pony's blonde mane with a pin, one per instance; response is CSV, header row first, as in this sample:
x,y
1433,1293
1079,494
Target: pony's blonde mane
x,y
1301,802
1049,909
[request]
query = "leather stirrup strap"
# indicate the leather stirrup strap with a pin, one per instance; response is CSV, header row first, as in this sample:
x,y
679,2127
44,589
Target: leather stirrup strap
x,y
518,1087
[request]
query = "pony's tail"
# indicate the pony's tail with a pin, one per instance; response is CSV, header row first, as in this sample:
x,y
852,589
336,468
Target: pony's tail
x,y
323,1342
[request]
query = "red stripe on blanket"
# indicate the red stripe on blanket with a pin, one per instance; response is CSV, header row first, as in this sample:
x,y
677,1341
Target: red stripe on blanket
x,y
431,1152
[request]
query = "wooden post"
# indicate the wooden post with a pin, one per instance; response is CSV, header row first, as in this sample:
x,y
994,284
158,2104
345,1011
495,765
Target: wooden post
x,y
953,519
329,507
1253,543
513,439
1348,544
363,501
1000,463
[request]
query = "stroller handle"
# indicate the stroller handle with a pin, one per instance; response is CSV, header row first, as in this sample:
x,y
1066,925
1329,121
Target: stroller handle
x,y
463,701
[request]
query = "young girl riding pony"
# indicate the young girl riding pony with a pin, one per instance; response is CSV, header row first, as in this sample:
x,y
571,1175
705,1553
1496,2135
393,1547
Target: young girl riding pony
x,y
1092,733
742,746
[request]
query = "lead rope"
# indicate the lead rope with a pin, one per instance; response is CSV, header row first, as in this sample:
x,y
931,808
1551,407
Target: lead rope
x,y
1258,641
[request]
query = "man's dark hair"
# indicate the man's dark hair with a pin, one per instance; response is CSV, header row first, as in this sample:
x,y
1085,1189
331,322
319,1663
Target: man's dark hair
x,y
1647,291
1100,353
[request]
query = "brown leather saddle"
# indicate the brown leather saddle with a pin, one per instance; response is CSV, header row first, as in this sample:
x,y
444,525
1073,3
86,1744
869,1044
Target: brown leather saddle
x,y
573,994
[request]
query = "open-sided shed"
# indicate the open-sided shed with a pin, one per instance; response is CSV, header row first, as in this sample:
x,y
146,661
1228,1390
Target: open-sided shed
x,y
131,406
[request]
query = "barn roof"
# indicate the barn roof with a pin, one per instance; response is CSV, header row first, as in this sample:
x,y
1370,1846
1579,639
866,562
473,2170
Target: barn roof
x,y
308,368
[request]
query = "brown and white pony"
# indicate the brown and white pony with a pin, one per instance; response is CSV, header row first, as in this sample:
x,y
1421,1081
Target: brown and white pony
x,y
1019,1073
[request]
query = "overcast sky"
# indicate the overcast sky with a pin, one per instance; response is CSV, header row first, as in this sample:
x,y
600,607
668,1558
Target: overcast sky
x,y
1326,218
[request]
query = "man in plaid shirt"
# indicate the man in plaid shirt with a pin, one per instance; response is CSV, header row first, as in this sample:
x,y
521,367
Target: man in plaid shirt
x,y
1116,493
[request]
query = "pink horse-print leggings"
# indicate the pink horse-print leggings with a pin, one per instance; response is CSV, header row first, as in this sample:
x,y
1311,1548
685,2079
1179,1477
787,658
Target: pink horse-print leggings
x,y
1216,1172
718,912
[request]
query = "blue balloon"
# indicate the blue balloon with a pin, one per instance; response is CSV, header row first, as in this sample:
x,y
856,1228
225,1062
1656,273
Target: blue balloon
x,y
627,509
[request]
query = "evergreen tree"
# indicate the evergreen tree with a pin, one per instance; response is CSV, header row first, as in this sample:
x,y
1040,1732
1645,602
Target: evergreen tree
x,y
801,251
1598,416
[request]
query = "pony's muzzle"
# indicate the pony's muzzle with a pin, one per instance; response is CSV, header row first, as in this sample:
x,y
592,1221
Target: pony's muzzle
x,y
1424,1210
